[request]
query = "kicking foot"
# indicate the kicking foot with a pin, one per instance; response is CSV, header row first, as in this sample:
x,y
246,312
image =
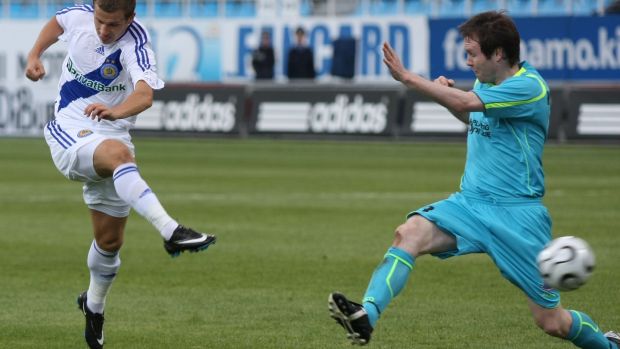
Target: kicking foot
x,y
186,239
613,337
351,316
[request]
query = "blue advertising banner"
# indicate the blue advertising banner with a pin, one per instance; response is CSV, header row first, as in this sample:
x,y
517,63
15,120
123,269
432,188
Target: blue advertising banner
x,y
561,48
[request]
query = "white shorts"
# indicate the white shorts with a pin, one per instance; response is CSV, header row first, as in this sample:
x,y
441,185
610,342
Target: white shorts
x,y
72,150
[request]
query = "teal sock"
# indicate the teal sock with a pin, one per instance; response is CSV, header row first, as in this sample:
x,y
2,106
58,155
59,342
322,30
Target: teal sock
x,y
585,333
387,281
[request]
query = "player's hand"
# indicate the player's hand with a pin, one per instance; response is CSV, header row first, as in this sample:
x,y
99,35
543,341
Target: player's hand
x,y
393,63
34,69
98,111
442,80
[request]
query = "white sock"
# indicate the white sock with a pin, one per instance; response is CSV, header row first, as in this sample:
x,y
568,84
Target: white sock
x,y
103,266
133,189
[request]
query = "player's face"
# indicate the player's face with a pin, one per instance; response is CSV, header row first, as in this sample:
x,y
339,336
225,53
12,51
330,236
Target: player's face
x,y
484,68
111,26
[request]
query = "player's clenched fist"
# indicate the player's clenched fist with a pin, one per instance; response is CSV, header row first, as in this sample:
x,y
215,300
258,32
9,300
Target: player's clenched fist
x,y
442,80
34,69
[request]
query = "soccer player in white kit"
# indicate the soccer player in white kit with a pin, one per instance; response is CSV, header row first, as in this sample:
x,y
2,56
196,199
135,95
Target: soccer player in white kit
x,y
108,78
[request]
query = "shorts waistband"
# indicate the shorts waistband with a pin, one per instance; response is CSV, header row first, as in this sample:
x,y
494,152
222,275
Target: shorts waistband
x,y
502,201
87,124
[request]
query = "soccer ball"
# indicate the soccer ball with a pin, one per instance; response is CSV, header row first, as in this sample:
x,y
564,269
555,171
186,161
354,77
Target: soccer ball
x,y
566,263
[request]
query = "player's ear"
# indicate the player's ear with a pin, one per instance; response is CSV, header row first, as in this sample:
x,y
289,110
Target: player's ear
x,y
131,18
498,54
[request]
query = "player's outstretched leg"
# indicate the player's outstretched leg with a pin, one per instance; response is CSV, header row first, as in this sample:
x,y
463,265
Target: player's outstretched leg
x,y
133,189
585,333
186,239
351,316
93,331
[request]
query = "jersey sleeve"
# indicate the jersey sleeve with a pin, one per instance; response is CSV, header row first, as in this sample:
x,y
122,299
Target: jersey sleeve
x,y
139,57
69,18
514,98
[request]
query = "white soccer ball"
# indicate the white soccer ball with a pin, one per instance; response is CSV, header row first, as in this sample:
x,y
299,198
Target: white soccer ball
x,y
566,263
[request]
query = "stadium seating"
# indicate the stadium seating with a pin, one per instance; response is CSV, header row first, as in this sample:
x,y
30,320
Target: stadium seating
x,y
203,8
421,7
28,9
168,8
25,9
585,7
519,8
240,9
452,8
141,8
551,8
383,7
54,6
478,6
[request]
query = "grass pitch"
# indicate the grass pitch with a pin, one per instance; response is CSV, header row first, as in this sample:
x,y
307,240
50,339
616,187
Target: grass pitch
x,y
295,220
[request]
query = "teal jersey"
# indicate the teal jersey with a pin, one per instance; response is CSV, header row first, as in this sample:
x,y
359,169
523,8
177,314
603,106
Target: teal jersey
x,y
505,142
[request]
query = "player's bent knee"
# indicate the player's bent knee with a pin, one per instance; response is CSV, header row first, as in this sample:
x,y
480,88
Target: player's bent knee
x,y
110,244
411,237
551,326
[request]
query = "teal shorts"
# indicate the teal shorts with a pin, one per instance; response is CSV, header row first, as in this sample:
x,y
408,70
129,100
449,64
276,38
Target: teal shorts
x,y
512,233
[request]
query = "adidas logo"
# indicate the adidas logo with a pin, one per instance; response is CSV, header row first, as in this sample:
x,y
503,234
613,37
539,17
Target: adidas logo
x,y
100,50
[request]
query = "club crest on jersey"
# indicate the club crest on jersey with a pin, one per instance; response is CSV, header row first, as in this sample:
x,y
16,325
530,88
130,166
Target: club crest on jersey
x,y
84,133
109,71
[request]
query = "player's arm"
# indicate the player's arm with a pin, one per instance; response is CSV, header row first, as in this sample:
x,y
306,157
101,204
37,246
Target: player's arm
x,y
47,37
458,102
138,101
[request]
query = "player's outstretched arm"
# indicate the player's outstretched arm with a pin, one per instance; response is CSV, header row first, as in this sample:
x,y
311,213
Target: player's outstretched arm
x,y
47,37
138,101
458,102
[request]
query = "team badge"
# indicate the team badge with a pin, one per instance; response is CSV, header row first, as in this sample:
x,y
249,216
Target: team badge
x,y
109,71
84,133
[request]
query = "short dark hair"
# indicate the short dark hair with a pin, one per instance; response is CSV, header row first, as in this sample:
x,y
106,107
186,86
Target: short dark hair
x,y
300,31
127,6
493,30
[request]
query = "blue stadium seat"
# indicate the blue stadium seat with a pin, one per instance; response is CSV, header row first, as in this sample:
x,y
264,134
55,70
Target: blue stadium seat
x,y
203,8
248,9
54,6
24,9
421,7
585,7
240,9
383,7
552,7
478,6
520,8
141,8
305,8
167,8
452,8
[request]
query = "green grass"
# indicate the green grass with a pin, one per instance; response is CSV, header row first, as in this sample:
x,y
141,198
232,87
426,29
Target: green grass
x,y
295,221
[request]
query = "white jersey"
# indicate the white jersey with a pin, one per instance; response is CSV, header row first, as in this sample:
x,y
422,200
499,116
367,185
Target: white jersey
x,y
98,73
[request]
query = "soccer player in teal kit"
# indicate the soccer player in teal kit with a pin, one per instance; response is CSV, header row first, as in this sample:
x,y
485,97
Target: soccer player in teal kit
x,y
498,210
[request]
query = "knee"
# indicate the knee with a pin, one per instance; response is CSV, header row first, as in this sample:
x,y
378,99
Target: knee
x,y
552,326
110,243
404,231
409,236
